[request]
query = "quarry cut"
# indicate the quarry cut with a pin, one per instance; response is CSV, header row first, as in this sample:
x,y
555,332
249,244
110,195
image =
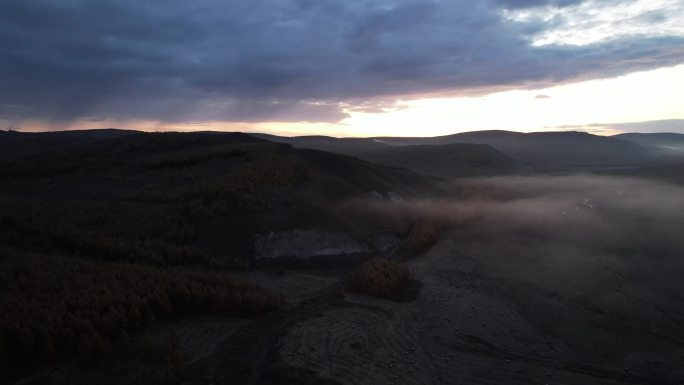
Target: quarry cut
x,y
310,243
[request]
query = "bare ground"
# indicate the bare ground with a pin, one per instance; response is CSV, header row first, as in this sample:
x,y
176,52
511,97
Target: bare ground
x,y
472,325
475,320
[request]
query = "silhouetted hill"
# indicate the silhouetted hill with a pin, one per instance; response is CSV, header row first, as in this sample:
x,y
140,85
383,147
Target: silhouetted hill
x,y
547,150
493,136
155,186
666,143
432,158
347,146
14,143
457,160
361,176
672,172
131,250
133,155
149,223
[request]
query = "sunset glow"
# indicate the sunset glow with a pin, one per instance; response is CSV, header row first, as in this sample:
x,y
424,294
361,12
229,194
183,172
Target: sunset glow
x,y
355,69
587,106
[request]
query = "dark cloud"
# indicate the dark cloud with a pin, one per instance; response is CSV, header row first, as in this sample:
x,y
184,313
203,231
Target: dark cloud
x,y
246,60
521,4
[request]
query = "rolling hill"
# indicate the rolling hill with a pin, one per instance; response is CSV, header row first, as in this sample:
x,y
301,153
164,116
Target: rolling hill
x,y
15,144
440,159
196,182
495,152
453,160
547,150
665,142
131,257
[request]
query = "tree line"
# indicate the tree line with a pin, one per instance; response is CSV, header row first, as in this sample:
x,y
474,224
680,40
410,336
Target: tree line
x,y
97,242
56,306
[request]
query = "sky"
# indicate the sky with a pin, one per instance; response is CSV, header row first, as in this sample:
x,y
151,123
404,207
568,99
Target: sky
x,y
343,68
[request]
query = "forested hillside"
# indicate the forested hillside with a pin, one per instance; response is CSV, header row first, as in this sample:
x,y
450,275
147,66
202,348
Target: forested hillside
x,y
101,235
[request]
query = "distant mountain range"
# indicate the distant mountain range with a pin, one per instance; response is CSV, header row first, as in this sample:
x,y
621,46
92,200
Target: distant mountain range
x,y
113,163
238,185
500,152
666,143
15,143
442,159
479,153
550,150
112,240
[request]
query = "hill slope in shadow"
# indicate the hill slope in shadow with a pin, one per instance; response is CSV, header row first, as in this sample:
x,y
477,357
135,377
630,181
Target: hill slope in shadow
x,y
547,150
193,243
665,142
209,192
441,159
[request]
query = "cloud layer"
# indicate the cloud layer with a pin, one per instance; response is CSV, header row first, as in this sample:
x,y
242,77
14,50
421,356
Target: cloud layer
x,y
278,60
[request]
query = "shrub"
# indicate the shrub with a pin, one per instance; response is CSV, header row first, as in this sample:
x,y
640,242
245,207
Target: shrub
x,y
380,277
423,236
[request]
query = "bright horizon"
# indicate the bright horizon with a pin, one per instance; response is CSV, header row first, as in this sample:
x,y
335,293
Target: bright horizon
x,y
601,107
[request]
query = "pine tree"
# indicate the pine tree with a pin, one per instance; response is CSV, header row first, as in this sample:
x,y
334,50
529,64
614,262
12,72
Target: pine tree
x,y
3,349
148,343
49,351
86,347
26,341
123,342
134,316
148,316
175,357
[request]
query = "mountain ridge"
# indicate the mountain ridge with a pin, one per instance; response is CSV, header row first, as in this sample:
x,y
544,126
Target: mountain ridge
x,y
541,151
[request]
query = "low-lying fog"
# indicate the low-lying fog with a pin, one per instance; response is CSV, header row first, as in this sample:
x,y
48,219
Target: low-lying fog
x,y
539,279
615,243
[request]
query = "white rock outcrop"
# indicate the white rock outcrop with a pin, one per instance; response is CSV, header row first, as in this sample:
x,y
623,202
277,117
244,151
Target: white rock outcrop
x,y
298,243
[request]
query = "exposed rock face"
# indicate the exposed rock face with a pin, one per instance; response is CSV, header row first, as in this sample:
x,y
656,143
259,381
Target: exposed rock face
x,y
386,241
297,243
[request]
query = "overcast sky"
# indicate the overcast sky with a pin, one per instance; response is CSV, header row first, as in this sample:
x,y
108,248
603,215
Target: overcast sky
x,y
353,67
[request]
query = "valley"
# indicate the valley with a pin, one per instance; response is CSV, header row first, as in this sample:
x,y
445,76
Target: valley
x,y
520,276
